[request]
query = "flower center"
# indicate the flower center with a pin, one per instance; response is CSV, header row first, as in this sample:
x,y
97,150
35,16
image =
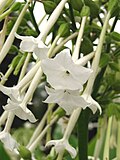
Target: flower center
x,y
67,72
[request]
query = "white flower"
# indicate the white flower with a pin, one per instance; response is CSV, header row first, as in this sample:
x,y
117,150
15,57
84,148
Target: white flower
x,y
35,45
63,73
19,110
8,141
61,145
92,104
67,99
12,92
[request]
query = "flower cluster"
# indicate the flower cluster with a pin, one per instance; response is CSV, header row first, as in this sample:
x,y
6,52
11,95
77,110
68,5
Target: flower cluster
x,y
66,79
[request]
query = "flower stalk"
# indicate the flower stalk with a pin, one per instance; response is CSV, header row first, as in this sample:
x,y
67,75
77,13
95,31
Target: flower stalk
x,y
107,140
75,54
51,21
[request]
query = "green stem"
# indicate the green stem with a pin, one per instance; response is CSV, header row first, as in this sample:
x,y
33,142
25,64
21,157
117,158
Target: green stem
x,y
7,74
39,138
57,48
107,140
118,141
6,13
100,137
83,135
96,60
75,55
40,126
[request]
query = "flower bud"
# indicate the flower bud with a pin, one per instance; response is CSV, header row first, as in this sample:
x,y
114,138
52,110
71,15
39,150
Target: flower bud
x,y
15,6
24,153
49,6
64,30
85,11
77,4
4,4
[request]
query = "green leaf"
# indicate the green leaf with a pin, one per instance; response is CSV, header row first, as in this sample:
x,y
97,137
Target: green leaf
x,y
112,4
3,153
94,8
105,58
114,66
49,6
115,36
77,4
86,46
113,109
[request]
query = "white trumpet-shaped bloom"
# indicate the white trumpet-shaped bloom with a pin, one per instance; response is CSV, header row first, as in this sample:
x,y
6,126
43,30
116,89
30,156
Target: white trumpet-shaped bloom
x,y
35,45
20,111
61,145
8,141
63,73
67,99
92,104
12,92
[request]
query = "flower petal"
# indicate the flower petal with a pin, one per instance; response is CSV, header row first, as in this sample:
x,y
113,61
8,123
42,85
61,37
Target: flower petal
x,y
66,99
92,104
71,150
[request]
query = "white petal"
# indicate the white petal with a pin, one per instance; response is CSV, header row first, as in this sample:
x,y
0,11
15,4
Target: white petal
x,y
54,95
70,102
93,105
71,150
8,141
27,45
19,111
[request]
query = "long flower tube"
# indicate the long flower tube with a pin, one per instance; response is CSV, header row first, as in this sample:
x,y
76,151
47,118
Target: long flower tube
x,y
11,36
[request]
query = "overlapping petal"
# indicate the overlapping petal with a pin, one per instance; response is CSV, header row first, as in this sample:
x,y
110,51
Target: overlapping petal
x,y
67,99
61,145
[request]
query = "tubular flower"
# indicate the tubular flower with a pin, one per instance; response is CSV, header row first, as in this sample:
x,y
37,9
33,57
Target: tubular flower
x,y
63,73
61,145
67,99
20,111
35,45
